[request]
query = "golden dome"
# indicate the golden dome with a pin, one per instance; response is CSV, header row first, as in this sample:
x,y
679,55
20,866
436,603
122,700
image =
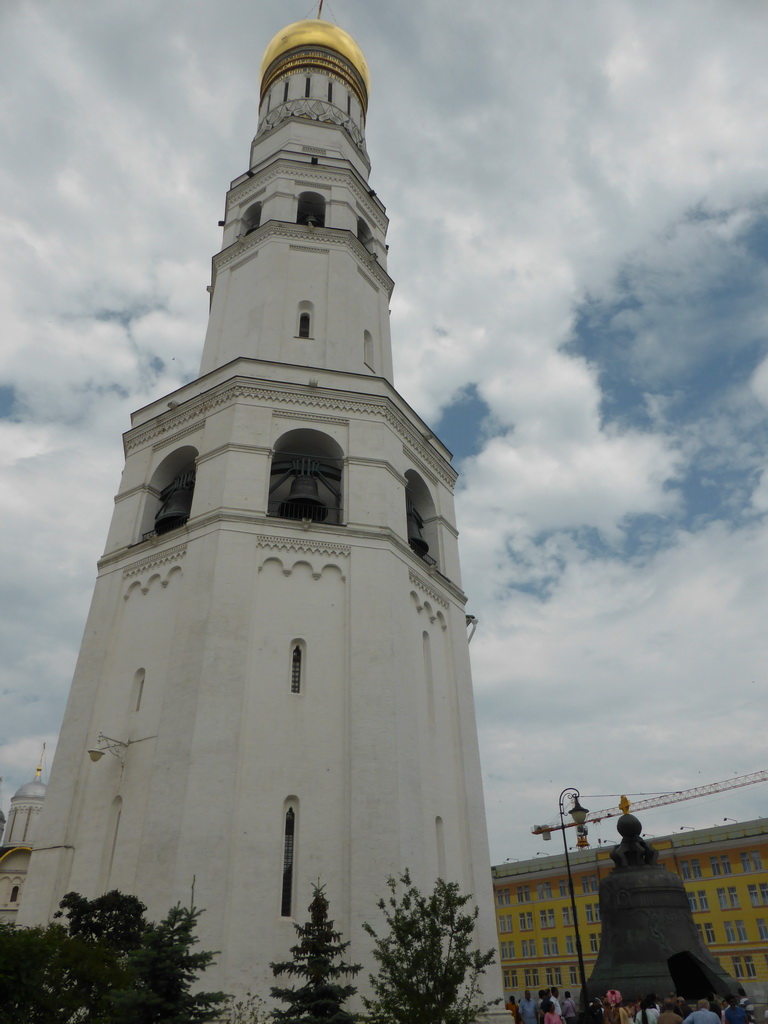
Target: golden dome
x,y
315,32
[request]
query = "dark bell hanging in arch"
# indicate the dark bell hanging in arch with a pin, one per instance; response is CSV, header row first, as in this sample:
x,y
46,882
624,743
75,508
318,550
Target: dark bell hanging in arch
x,y
303,500
415,526
176,503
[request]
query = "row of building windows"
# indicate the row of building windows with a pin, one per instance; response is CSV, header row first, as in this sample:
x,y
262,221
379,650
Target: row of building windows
x,y
532,977
721,865
589,883
547,917
735,931
728,897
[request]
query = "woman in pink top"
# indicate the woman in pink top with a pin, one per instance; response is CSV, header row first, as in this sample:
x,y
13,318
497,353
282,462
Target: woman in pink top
x,y
550,1017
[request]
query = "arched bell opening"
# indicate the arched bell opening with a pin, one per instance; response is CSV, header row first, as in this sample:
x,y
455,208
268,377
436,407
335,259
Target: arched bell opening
x,y
306,478
171,491
251,219
421,520
311,209
364,234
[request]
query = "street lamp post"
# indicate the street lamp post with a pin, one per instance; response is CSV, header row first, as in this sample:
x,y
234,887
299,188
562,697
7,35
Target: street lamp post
x,y
579,814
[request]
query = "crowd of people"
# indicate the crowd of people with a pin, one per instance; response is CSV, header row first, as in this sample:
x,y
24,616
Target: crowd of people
x,y
612,1008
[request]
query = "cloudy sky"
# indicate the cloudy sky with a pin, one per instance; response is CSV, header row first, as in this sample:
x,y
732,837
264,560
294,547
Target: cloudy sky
x,y
578,196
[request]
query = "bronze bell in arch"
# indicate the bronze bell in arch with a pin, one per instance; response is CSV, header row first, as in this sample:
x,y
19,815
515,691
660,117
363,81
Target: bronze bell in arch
x,y
176,503
415,526
304,501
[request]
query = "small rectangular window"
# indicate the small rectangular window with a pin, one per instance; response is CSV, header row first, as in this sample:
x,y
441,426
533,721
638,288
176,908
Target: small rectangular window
x,y
733,896
726,864
703,900
762,928
749,964
307,86
568,943
593,942
572,975
285,92
730,933
741,931
695,867
709,931
330,92
715,865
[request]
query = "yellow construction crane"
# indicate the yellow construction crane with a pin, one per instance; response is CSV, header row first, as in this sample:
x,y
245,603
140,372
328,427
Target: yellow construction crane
x,y
545,831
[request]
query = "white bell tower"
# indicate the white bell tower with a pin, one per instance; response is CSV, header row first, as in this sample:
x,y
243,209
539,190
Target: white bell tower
x,y
275,664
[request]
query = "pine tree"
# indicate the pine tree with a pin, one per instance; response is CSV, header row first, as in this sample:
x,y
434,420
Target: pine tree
x,y
317,958
164,969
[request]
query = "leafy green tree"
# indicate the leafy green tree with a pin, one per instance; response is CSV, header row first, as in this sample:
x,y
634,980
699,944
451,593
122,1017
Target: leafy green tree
x,y
318,959
164,968
429,968
114,919
50,977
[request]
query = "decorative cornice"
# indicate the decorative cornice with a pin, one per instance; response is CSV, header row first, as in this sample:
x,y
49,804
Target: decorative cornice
x,y
314,417
316,175
250,193
313,110
367,279
308,248
285,229
178,436
306,544
152,561
240,387
427,588
241,263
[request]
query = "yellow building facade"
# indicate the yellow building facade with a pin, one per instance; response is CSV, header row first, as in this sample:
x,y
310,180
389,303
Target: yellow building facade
x,y
725,871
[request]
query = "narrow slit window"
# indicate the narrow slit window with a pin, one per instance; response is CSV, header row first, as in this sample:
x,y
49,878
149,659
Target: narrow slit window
x,y
296,670
349,105
15,894
288,852
285,92
269,101
307,86
330,92
304,325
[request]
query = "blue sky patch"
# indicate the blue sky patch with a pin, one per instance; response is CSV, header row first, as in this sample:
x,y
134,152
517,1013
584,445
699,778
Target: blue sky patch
x,y
460,426
7,401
